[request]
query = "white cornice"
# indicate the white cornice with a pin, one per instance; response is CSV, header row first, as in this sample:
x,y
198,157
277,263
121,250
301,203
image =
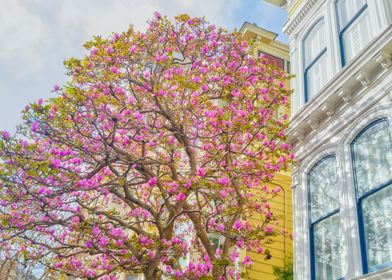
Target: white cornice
x,y
346,85
295,19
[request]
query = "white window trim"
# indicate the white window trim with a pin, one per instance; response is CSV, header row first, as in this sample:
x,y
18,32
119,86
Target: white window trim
x,y
348,205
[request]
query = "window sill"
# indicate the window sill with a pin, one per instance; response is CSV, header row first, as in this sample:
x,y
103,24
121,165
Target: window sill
x,y
382,274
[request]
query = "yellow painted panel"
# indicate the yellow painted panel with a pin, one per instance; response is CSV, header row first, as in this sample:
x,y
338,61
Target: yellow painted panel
x,y
281,205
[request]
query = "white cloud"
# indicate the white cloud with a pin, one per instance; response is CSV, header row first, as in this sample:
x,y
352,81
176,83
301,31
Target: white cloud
x,y
105,16
34,32
23,37
37,35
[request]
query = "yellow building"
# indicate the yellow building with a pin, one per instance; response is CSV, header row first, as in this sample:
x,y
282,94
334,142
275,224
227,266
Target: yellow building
x,y
277,53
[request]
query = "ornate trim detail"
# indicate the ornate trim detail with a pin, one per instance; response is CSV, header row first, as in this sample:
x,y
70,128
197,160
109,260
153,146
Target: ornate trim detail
x,y
385,59
363,77
345,94
328,108
300,135
295,181
293,23
313,122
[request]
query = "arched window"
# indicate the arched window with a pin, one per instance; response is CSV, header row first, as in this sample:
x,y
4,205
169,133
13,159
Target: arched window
x,y
354,27
315,59
325,233
372,162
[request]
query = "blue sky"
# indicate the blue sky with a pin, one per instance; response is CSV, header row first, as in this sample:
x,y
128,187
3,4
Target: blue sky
x,y
38,35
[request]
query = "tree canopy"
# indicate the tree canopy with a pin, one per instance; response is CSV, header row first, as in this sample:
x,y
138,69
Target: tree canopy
x,y
158,140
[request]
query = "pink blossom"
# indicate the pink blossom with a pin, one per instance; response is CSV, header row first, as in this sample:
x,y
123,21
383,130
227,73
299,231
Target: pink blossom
x,y
188,184
34,126
137,115
220,227
89,244
201,172
96,231
153,181
269,229
109,50
55,162
223,181
181,196
223,194
103,242
234,256
237,225
6,134
133,49
157,15
114,70
247,262
93,51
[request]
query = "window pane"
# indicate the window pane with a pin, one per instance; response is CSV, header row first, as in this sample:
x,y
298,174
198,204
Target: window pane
x,y
316,77
324,197
278,62
315,42
328,249
347,9
373,157
357,36
377,213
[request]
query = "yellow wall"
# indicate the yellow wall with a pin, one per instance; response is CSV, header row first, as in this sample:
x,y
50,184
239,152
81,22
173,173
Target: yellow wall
x,y
282,204
282,209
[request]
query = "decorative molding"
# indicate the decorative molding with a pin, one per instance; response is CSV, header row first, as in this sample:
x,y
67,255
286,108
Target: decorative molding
x,y
328,108
383,274
300,135
390,94
363,77
295,182
313,122
344,78
345,94
296,19
385,59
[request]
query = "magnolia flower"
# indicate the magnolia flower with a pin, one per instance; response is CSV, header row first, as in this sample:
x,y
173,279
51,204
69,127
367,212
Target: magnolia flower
x,y
181,196
34,126
237,225
223,181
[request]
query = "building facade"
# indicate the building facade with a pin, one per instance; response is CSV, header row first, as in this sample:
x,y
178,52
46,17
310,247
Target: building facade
x,y
341,127
276,53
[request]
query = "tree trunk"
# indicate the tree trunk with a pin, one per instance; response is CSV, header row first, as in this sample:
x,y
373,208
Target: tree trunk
x,y
9,271
152,275
217,272
152,271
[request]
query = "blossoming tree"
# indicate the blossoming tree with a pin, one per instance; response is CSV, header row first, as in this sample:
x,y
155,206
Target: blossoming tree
x,y
158,140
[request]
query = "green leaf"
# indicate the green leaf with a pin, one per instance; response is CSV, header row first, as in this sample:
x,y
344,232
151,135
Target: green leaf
x,y
4,222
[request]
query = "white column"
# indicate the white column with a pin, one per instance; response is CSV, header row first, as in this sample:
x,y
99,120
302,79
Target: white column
x,y
295,97
300,228
348,210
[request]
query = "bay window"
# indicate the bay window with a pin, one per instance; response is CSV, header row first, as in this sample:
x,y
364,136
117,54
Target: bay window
x,y
325,233
372,162
315,59
354,27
